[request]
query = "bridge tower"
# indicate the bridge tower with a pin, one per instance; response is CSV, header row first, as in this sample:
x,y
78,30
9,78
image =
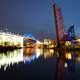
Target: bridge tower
x,y
58,24
60,34
62,37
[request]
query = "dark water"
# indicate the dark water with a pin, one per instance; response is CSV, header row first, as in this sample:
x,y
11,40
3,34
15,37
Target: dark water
x,y
39,64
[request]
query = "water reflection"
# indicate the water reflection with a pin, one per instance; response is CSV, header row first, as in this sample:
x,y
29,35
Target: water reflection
x,y
67,63
48,53
59,74
25,55
11,57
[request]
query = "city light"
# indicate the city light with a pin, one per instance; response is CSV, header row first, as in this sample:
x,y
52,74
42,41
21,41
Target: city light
x,y
67,43
68,56
8,39
78,59
39,52
38,42
11,58
65,65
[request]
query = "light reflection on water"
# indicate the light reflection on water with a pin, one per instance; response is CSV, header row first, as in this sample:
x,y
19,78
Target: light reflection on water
x,y
25,55
68,63
11,57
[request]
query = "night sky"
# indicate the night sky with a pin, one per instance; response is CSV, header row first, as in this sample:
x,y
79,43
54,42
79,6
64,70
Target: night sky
x,y
36,16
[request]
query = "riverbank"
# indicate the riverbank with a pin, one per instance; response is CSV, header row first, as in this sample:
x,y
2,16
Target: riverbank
x,y
8,48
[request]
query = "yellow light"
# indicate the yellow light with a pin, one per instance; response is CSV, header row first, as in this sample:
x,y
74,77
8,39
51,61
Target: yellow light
x,y
51,51
12,57
67,43
78,40
52,46
10,39
68,56
78,59
38,52
41,42
49,42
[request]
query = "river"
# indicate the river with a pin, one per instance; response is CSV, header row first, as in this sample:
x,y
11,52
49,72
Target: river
x,y
39,64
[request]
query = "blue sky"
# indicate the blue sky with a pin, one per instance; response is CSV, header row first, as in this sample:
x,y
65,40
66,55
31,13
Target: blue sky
x,y
71,13
36,16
